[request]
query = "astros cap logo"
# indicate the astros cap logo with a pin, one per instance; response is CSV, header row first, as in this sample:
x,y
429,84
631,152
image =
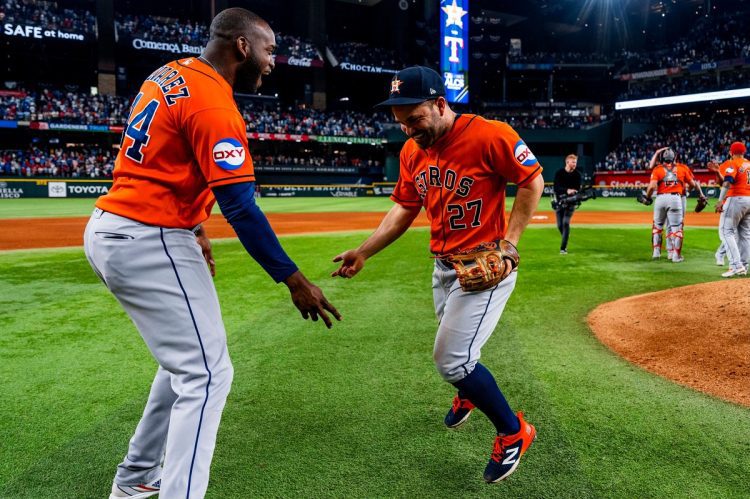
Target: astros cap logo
x,y
395,84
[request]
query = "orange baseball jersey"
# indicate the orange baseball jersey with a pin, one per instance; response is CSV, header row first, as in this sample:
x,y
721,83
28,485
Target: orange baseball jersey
x,y
689,177
183,136
460,180
739,170
670,180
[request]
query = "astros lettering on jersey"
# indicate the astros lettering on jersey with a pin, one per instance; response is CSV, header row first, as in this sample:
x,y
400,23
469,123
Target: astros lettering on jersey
x,y
461,180
738,169
670,180
167,163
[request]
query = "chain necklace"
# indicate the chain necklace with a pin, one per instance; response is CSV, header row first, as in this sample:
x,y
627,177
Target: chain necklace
x,y
201,58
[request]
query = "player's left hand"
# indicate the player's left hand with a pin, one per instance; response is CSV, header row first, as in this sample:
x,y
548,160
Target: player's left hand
x,y
310,300
205,245
719,207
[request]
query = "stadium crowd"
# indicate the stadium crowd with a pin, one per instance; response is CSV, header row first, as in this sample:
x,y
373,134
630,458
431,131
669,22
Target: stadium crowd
x,y
362,53
709,39
98,162
316,160
293,46
47,15
63,106
305,121
162,29
537,119
560,58
696,140
706,82
64,162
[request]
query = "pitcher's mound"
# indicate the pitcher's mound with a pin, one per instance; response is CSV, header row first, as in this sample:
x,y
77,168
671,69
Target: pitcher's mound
x,y
698,335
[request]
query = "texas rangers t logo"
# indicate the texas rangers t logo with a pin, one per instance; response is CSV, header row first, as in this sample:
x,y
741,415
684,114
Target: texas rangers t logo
x,y
395,84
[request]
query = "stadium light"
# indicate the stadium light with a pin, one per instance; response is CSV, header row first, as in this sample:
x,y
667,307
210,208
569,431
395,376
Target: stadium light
x,y
682,99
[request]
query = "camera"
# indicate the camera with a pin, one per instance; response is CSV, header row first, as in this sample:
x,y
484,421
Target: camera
x,y
573,199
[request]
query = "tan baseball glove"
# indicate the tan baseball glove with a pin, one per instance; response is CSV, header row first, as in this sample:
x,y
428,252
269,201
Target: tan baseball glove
x,y
484,266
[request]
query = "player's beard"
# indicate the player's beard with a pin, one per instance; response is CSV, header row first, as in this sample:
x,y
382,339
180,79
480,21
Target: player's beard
x,y
426,137
248,76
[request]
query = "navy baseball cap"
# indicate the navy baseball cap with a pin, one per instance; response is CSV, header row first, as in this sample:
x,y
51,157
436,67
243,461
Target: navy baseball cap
x,y
414,85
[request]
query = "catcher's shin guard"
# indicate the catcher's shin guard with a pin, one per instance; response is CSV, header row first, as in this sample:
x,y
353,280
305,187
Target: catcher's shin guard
x,y
677,238
656,239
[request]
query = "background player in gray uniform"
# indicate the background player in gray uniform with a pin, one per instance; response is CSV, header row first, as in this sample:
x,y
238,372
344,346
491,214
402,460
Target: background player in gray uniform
x,y
140,243
721,251
734,204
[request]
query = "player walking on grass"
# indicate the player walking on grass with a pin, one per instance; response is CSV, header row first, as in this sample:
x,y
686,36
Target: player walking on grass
x,y
734,204
457,166
184,147
669,180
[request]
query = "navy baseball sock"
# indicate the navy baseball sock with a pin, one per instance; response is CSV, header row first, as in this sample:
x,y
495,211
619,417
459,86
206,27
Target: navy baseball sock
x,y
480,387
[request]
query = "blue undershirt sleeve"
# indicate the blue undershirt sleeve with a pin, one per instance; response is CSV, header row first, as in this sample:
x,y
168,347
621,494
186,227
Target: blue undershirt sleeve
x,y
237,203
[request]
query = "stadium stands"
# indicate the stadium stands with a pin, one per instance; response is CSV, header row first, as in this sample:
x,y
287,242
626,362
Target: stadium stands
x,y
300,121
76,162
364,54
705,82
163,29
697,139
47,15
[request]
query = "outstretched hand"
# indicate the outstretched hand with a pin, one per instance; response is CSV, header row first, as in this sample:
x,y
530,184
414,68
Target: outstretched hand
x,y
352,262
309,299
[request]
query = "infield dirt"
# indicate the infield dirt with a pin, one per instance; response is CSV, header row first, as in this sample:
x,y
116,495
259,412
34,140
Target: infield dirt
x,y
23,233
694,335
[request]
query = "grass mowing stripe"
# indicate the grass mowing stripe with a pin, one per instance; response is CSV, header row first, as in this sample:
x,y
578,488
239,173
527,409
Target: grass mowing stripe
x,y
82,207
357,411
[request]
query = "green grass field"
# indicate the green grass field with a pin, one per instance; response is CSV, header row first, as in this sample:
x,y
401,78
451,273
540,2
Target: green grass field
x,y
21,208
357,411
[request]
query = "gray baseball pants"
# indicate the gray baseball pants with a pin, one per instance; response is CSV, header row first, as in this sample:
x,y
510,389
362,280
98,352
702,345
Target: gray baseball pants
x,y
735,230
160,278
466,320
668,210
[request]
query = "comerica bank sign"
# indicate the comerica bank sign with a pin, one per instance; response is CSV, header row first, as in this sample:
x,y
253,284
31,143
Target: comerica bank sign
x,y
175,48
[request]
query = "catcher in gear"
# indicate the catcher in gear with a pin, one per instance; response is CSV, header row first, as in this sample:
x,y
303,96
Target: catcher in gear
x,y
456,167
669,180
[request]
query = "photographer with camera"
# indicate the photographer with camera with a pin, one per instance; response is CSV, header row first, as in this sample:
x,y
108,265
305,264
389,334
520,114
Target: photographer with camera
x,y
567,183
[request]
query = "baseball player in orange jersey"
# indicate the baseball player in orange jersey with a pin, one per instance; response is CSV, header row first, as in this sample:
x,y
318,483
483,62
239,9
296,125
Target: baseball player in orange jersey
x,y
668,180
185,146
734,204
456,167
